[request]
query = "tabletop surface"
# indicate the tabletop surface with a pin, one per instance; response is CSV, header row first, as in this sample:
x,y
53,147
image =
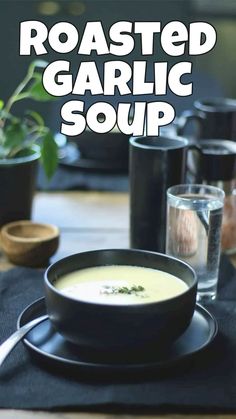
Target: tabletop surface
x,y
87,221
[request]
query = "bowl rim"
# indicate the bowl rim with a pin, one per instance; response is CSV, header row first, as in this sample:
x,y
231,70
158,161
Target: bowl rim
x,y
16,161
52,229
216,104
120,306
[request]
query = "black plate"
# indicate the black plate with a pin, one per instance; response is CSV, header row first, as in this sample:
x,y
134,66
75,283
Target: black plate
x,y
71,157
49,345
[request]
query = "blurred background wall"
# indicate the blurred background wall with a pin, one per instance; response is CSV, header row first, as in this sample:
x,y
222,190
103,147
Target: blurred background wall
x,y
213,75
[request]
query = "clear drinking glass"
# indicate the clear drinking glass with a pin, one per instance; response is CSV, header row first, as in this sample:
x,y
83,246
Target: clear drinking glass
x,y
193,233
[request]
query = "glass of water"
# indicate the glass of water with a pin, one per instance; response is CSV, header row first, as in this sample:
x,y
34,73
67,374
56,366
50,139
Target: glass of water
x,y
193,233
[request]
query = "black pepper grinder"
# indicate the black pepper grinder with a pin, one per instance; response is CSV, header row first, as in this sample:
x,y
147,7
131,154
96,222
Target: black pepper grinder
x,y
218,168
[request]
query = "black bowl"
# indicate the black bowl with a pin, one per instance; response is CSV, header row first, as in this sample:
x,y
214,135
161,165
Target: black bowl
x,y
113,145
120,329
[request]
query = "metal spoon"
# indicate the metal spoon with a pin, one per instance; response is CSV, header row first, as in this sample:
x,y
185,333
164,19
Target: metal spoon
x,y
7,346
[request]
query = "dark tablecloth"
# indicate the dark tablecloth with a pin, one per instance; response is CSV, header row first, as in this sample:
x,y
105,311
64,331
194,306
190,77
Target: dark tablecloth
x,y
207,383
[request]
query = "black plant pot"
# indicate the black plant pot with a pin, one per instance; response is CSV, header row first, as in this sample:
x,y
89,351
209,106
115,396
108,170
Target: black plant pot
x,y
17,185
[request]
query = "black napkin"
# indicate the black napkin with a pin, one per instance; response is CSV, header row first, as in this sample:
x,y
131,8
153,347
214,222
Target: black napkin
x,y
207,383
67,178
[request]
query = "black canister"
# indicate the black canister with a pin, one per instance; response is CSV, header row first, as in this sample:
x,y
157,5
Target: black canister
x,y
218,161
215,118
156,163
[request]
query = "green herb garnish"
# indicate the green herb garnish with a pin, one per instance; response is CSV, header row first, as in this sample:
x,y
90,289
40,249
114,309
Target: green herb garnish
x,y
134,289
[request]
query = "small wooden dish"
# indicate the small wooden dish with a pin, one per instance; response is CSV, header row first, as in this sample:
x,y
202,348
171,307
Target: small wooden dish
x,y
28,243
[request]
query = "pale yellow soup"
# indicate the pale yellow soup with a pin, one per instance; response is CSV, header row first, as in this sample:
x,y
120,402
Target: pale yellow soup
x,y
120,284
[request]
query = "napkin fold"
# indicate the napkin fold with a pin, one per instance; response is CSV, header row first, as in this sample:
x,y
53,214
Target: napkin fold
x,y
206,384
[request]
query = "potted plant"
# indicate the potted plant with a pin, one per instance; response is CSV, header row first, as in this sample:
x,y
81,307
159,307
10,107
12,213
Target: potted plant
x,y
23,142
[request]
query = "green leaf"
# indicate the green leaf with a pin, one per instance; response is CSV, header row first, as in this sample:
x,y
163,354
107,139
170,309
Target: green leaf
x,y
37,117
2,141
1,104
6,115
15,134
37,92
37,64
49,155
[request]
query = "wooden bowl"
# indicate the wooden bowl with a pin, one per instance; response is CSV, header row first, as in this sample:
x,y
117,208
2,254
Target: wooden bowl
x,y
29,244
